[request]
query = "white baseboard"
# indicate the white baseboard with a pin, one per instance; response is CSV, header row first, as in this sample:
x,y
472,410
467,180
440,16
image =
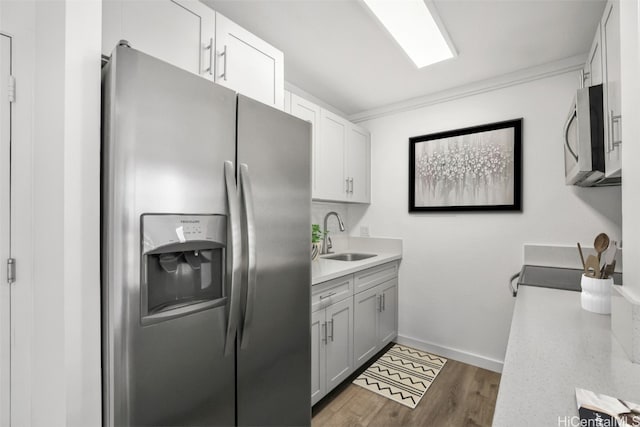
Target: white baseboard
x,y
452,353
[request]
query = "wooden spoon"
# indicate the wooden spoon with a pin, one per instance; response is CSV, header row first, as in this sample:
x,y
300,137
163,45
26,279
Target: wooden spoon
x,y
592,268
600,244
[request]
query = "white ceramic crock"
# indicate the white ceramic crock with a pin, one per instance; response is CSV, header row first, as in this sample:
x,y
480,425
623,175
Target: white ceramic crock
x,y
596,294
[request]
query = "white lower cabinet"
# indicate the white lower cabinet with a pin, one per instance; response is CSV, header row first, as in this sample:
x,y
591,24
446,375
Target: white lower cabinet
x,y
348,328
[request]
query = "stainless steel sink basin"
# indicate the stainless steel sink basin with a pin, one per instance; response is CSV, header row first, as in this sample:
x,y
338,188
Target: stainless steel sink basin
x,y
350,256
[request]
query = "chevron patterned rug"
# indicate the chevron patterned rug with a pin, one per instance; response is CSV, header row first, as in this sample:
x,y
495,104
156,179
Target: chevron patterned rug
x,y
402,374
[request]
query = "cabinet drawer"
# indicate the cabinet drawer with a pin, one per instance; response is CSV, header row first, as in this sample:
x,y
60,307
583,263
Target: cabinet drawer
x,y
326,293
371,277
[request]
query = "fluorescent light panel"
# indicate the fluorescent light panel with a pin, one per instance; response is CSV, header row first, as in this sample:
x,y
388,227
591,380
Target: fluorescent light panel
x,y
412,26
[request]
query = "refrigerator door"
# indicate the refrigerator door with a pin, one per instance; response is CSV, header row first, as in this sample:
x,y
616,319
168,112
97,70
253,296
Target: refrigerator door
x,y
274,355
167,135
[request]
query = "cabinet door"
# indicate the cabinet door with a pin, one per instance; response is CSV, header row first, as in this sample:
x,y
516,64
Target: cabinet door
x,y
594,61
330,158
318,363
287,102
358,164
388,320
610,27
248,64
339,357
366,309
180,32
309,111
585,76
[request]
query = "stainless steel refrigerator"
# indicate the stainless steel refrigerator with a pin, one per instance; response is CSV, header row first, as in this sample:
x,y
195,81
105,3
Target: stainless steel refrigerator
x,y
206,206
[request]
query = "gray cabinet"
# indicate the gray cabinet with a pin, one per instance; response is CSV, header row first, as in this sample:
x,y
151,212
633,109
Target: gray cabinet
x,y
365,321
331,335
318,364
375,319
353,317
339,342
388,317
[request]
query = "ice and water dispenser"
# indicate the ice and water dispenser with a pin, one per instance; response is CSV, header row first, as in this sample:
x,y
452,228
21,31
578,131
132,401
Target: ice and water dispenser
x,y
182,264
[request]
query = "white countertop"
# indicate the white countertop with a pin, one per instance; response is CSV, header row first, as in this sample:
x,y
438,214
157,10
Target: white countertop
x,y
386,250
327,269
554,347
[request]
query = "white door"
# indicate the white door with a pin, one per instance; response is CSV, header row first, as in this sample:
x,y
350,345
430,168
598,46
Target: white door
x,y
358,164
180,32
388,324
5,230
366,308
331,183
318,367
611,53
248,64
305,110
339,317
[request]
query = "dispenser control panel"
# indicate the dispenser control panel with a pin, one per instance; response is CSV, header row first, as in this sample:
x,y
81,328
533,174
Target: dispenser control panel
x,y
165,229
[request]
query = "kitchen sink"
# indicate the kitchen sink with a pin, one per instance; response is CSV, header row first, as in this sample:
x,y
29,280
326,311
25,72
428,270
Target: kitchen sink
x,y
350,256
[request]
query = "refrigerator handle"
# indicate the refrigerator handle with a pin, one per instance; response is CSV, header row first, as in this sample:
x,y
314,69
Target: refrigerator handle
x,y
251,251
234,245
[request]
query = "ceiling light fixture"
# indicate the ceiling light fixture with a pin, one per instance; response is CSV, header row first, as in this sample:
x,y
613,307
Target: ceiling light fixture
x,y
413,26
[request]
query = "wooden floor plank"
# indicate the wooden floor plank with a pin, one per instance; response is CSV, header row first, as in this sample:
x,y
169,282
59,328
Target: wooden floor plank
x,y
461,395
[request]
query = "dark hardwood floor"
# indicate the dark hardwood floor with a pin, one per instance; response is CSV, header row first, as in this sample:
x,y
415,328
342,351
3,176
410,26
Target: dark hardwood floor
x,y
461,395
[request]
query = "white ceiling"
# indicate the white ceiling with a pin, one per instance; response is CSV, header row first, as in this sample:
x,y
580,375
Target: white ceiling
x,y
337,51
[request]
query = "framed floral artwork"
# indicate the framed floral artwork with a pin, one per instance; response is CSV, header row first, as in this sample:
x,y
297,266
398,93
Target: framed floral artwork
x,y
472,169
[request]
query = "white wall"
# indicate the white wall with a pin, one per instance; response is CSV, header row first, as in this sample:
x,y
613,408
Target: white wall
x,y
625,304
57,141
453,277
630,96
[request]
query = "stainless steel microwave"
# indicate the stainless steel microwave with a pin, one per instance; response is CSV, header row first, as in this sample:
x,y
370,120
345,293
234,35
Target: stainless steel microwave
x,y
584,155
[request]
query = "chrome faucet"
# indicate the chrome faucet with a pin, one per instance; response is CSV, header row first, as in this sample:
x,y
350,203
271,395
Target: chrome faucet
x,y
325,247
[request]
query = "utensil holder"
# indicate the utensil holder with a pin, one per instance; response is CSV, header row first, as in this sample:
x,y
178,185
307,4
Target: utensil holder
x,y
596,294
316,248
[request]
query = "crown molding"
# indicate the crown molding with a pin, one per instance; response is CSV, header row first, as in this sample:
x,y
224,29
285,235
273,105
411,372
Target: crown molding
x,y
526,75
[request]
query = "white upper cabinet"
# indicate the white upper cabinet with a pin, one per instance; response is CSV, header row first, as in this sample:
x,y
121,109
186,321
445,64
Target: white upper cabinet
x,y
306,110
593,68
248,64
180,32
610,29
358,163
287,102
190,35
342,161
331,180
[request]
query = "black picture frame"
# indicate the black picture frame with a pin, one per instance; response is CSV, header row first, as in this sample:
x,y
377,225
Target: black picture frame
x,y
478,168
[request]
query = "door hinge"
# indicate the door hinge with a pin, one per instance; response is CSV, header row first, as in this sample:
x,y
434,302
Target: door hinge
x,y
12,89
11,270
